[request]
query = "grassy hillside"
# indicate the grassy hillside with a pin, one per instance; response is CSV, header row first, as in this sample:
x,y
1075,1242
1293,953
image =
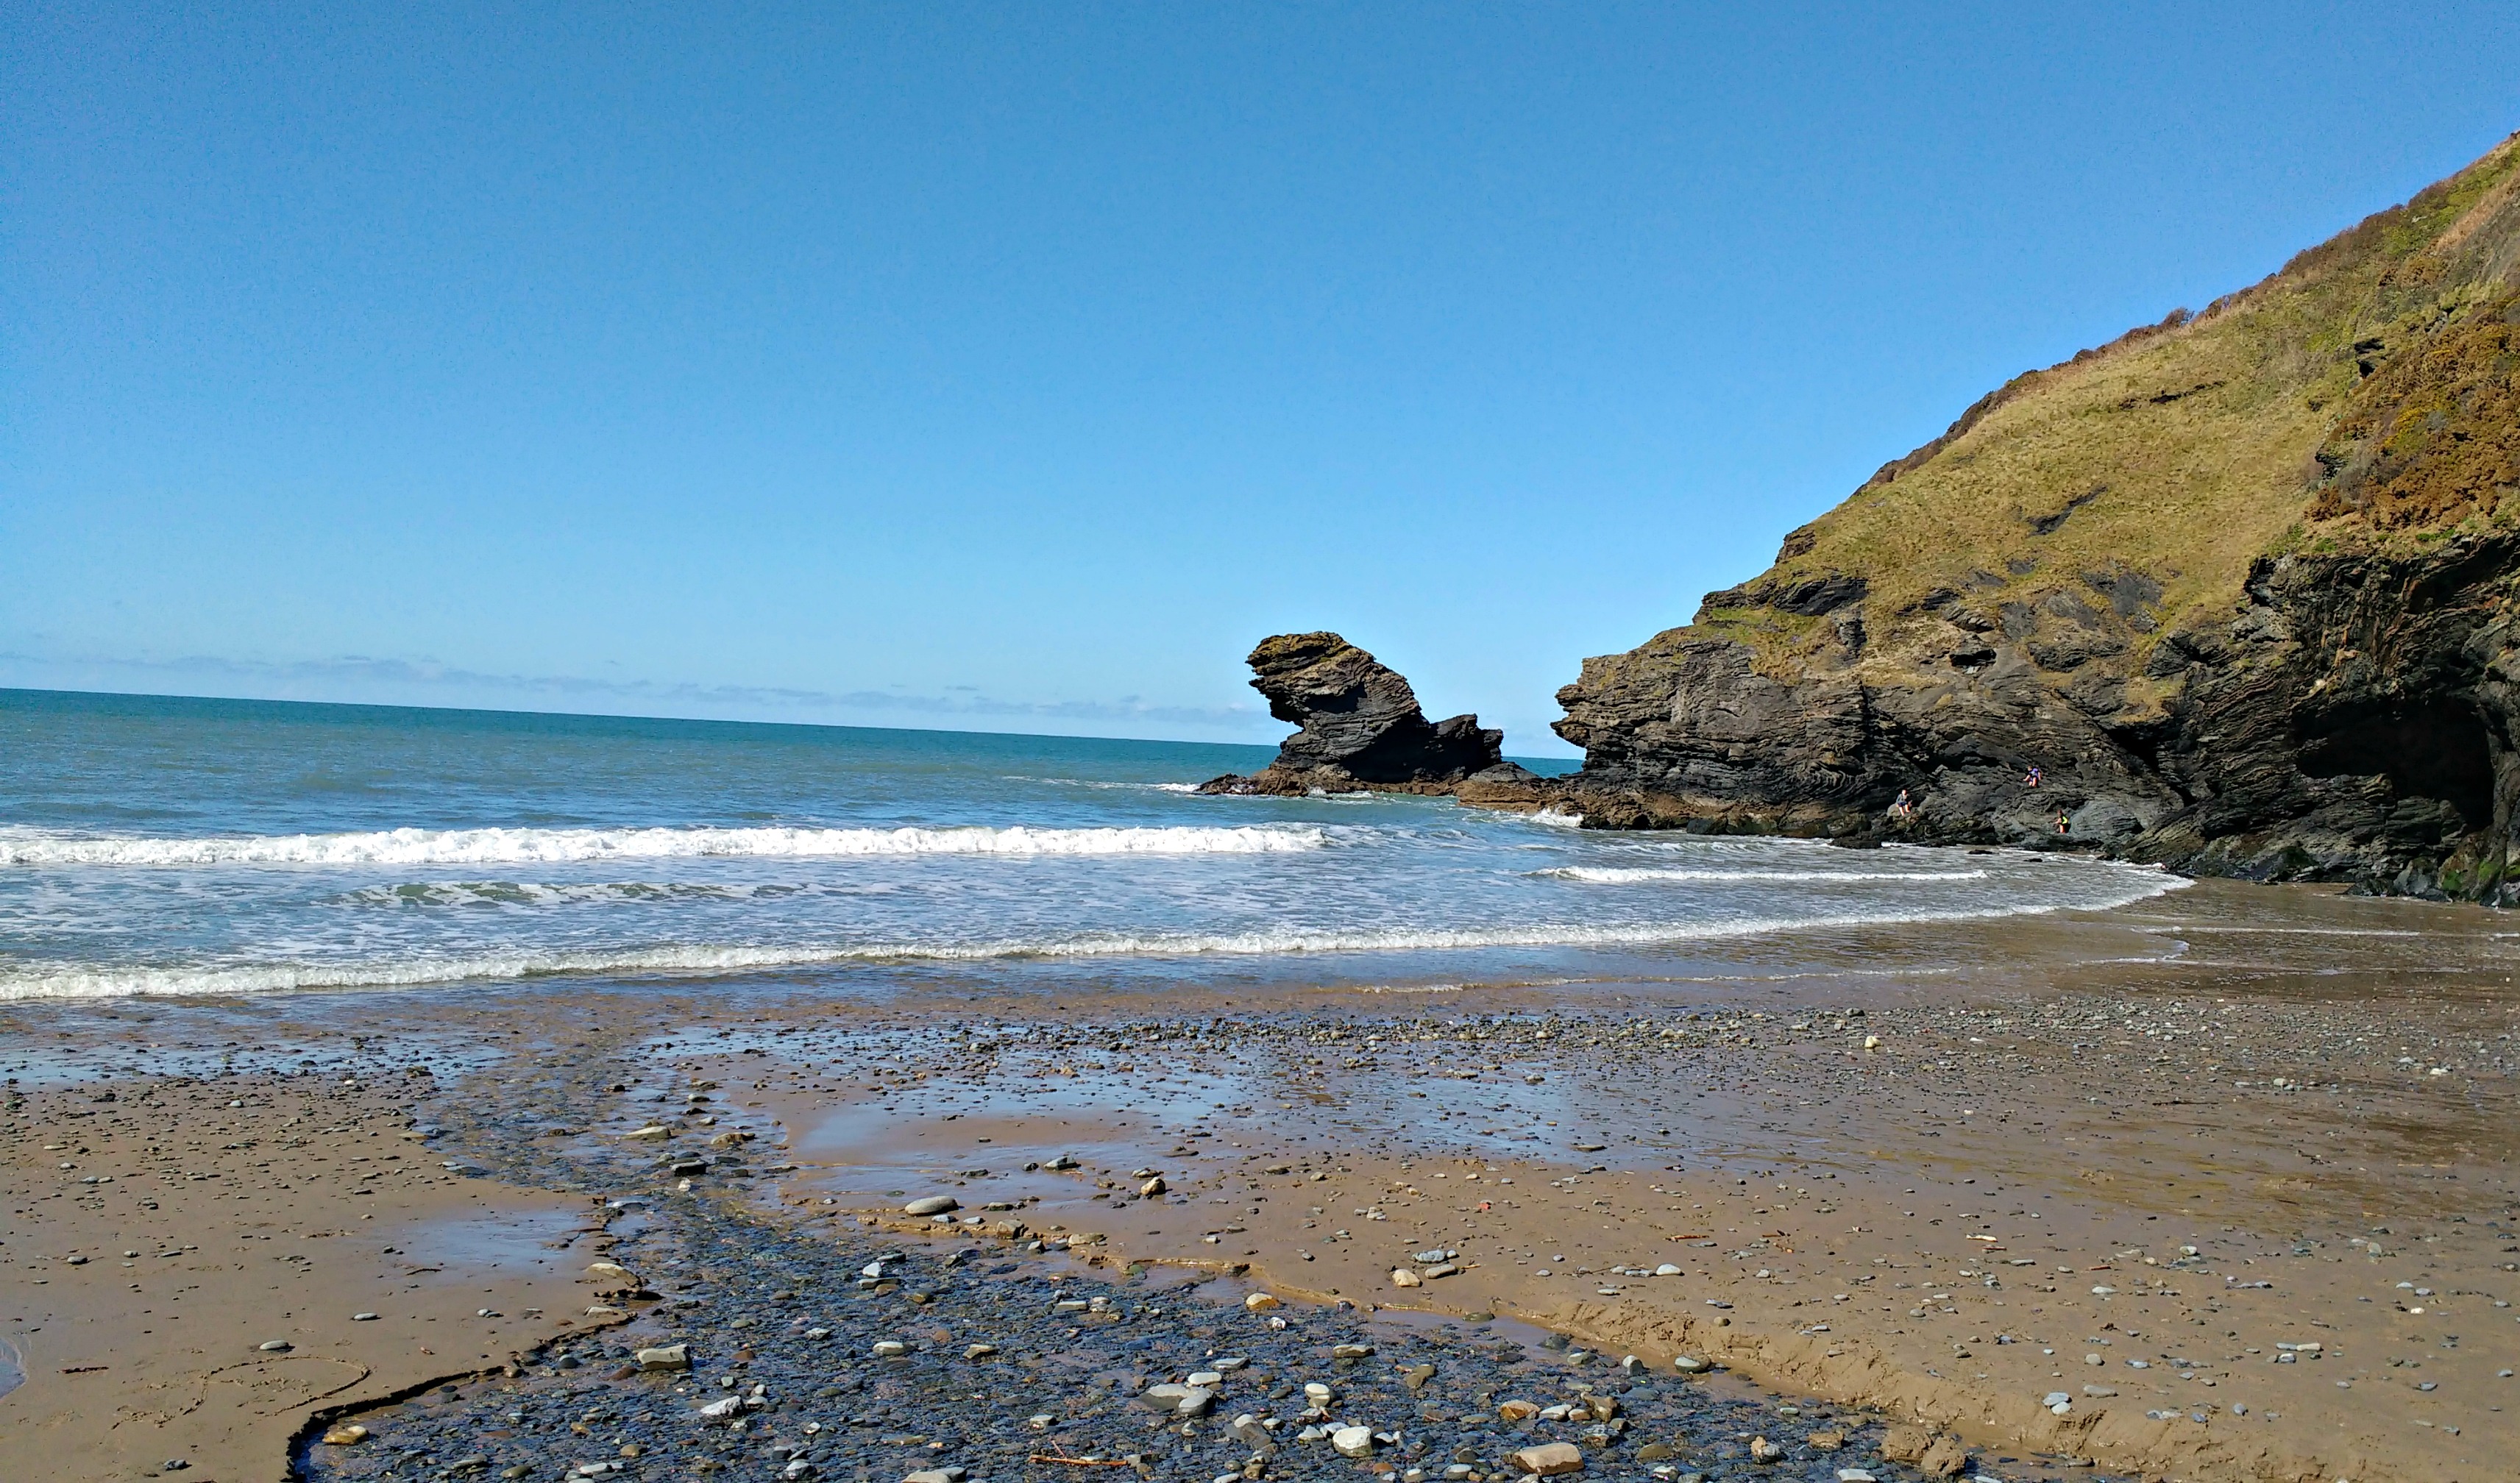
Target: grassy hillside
x,y
2370,391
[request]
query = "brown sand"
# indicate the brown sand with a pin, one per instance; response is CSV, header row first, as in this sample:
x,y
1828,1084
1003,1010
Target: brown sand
x,y
232,1213
1993,1204
2277,1078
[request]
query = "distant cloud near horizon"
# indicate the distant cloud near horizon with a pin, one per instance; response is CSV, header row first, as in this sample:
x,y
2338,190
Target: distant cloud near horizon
x,y
344,676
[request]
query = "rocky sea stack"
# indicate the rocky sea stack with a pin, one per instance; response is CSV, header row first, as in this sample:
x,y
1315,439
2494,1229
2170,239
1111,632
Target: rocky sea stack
x,y
2235,593
1360,728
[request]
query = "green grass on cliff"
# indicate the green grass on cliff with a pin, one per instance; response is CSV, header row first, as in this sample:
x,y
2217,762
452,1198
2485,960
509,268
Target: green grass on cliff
x,y
2187,449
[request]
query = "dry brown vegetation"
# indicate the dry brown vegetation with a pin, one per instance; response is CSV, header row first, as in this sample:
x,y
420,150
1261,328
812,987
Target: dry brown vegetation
x,y
2368,391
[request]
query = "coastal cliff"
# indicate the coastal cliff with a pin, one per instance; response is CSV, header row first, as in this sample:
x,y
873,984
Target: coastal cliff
x,y
1360,728
2239,586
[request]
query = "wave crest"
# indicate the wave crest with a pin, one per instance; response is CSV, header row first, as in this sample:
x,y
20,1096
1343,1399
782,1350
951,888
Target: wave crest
x,y
65,981
1602,874
537,893
520,846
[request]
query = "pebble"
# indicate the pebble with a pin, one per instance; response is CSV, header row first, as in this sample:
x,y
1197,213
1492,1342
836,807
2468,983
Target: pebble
x,y
933,1204
663,1357
1549,1459
777,1322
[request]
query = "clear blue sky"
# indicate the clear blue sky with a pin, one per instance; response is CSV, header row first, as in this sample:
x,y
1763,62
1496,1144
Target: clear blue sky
x,y
1016,366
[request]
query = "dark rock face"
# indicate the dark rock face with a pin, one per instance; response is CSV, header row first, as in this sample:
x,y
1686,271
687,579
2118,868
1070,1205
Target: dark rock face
x,y
2232,593
2357,719
1360,726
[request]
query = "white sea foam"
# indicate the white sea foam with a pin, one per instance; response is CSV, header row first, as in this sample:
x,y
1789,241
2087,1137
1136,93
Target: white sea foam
x,y
1106,784
1629,875
538,894
76,981
508,846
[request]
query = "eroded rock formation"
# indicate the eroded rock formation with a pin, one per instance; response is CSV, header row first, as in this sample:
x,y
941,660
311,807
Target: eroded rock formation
x,y
1360,726
2236,592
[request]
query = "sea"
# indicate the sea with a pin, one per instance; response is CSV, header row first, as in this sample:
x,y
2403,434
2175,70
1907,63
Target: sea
x,y
159,846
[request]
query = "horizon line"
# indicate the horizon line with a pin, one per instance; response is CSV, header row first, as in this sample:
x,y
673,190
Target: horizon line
x,y
584,715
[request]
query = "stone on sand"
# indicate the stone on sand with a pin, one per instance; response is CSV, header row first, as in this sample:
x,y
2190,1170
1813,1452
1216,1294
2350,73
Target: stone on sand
x,y
1549,1459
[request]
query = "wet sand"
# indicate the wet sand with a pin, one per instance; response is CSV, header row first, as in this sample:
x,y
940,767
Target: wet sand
x,y
1989,1204
185,1263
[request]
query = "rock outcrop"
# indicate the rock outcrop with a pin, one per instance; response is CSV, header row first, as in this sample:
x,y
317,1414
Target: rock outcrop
x,y
1360,726
2236,593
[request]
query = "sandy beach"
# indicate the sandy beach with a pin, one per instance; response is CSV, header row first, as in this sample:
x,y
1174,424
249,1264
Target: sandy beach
x,y
194,1265
2217,1186
1606,745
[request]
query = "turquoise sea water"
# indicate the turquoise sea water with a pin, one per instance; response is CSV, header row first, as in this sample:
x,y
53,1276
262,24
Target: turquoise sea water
x,y
152,846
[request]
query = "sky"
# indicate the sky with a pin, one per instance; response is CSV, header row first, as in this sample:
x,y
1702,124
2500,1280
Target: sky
x,y
1018,367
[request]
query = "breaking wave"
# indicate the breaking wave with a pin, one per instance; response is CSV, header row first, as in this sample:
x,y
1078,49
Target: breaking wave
x,y
515,846
68,981
1628,874
537,893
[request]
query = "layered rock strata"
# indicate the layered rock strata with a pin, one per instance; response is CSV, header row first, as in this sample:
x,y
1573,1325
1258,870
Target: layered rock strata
x,y
2234,594
1360,726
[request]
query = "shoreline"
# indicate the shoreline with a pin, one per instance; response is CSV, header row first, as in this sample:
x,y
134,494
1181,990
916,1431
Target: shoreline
x,y
2242,1094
